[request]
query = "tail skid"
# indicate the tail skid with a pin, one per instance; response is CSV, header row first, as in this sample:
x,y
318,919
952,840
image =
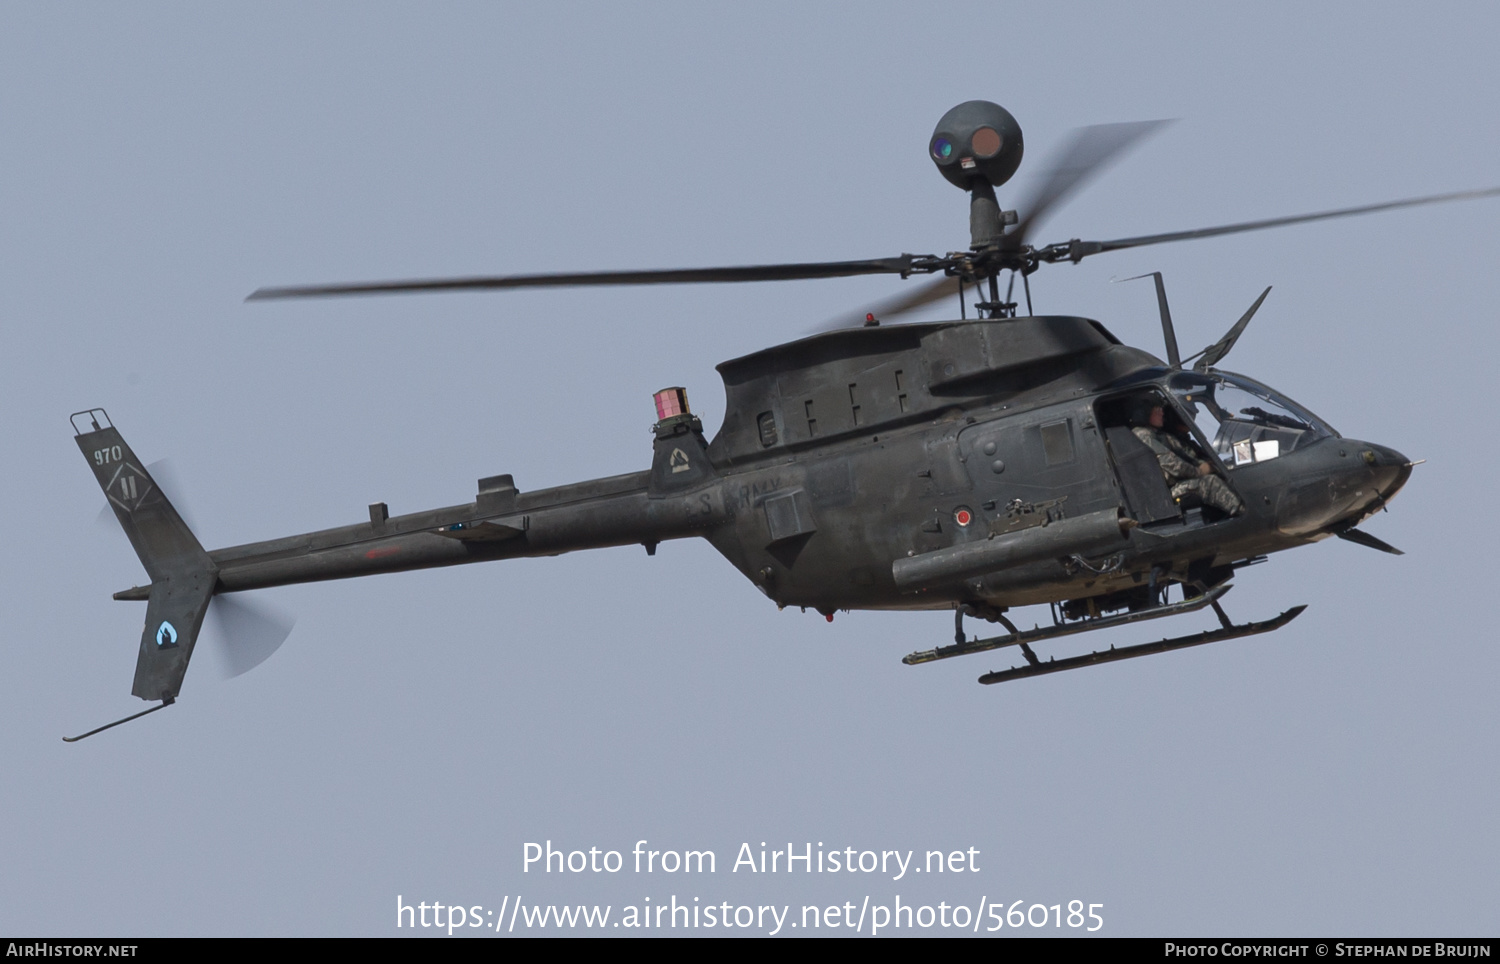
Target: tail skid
x,y
109,726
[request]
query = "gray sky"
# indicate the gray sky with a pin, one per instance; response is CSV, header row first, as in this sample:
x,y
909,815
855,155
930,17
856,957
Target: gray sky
x,y
160,162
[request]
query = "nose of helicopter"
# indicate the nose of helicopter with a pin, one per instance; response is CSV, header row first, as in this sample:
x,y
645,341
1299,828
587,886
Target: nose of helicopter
x,y
1372,475
1389,468
1347,481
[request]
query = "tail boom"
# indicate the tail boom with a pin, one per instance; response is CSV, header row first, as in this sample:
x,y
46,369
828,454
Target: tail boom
x,y
600,513
501,523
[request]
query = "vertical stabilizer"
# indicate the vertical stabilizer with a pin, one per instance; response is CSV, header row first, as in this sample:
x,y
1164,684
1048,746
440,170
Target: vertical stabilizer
x,y
183,576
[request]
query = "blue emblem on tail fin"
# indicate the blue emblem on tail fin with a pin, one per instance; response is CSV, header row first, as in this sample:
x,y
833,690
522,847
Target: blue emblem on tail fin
x,y
166,635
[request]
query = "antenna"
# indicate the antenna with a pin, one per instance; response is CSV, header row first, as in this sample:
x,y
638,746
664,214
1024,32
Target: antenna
x,y
1168,334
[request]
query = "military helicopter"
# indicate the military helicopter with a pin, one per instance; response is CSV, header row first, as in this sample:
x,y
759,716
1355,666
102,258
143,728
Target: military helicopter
x,y
972,465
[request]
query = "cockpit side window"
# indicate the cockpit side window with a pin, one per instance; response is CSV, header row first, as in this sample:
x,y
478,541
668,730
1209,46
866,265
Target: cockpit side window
x,y
1246,423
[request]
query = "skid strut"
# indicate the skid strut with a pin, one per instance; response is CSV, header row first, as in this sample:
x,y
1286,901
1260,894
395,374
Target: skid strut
x,y
1024,637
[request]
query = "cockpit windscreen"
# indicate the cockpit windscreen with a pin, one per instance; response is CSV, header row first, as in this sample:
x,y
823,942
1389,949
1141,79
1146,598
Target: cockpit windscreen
x,y
1246,421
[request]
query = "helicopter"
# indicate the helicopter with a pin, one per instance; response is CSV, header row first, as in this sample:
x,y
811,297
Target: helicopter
x,y
974,465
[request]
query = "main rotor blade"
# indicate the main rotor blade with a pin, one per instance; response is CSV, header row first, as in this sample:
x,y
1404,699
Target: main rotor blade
x,y
1087,153
764,272
888,309
1078,250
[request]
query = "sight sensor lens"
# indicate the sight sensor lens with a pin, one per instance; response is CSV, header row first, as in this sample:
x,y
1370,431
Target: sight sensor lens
x,y
986,142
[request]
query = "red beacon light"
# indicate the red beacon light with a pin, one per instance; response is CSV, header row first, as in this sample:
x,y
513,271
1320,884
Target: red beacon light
x,y
671,402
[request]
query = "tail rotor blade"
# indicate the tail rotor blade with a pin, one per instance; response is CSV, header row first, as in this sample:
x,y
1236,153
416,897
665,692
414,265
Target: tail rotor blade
x,y
164,471
246,634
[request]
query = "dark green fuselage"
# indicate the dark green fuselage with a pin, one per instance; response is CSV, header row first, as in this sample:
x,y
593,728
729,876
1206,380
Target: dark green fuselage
x,y
847,451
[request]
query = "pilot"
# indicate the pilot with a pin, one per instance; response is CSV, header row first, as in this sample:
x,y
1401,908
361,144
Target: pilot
x,y
1185,472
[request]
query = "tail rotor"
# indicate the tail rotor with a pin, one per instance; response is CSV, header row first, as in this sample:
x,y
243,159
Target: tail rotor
x,y
245,634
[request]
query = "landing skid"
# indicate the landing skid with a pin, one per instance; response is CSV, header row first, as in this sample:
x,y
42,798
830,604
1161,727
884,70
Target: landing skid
x,y
1023,637
1039,668
1036,667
